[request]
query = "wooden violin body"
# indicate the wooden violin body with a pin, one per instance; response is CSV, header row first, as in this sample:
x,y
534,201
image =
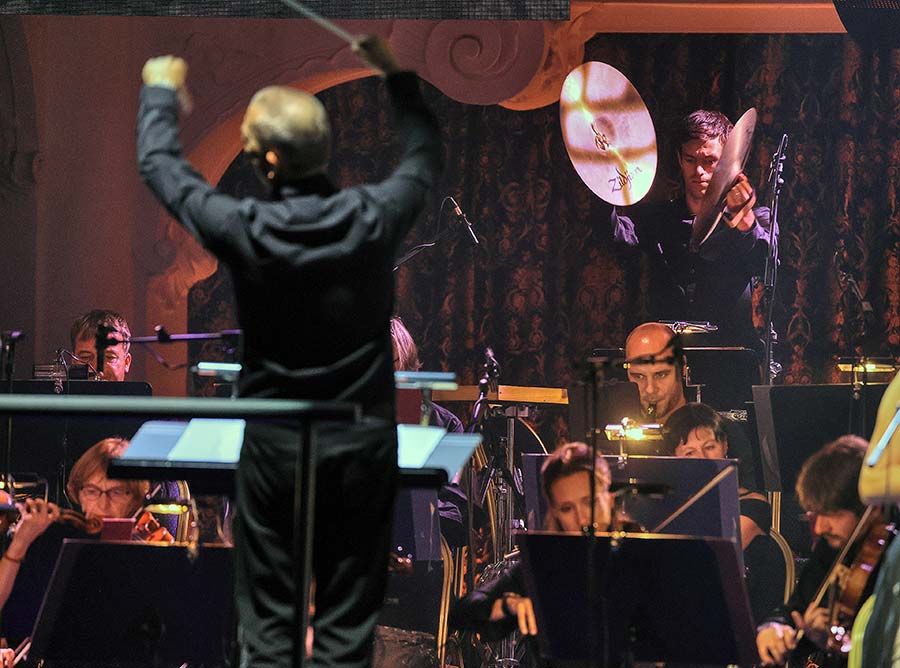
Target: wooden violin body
x,y
856,581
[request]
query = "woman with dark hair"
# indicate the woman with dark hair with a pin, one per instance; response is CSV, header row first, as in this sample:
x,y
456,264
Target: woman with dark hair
x,y
696,430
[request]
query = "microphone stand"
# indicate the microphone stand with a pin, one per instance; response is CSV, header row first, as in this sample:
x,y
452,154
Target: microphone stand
x,y
445,234
415,250
859,388
489,381
597,628
771,271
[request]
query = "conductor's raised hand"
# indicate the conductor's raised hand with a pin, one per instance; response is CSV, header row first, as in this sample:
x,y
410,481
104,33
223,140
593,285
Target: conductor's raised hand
x,y
376,53
169,72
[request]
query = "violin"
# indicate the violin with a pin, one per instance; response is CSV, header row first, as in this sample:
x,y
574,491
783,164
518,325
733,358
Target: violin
x,y
857,580
146,529
848,585
89,525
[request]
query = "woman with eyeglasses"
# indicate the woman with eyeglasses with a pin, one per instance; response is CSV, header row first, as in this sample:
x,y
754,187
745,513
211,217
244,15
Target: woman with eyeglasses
x,y
99,496
36,538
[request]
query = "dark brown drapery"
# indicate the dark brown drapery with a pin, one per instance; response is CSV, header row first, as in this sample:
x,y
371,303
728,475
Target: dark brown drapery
x,y
546,284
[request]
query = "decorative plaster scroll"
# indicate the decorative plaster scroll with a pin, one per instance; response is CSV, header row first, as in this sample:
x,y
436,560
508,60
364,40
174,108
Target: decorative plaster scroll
x,y
482,63
563,51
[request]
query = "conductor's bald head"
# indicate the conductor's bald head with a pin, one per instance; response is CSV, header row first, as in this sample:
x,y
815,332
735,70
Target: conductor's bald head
x,y
286,133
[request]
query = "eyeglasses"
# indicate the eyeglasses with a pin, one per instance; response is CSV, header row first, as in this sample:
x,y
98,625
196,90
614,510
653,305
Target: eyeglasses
x,y
93,493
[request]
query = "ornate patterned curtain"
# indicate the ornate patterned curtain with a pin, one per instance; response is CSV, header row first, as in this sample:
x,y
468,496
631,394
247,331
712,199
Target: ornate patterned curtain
x,y
546,284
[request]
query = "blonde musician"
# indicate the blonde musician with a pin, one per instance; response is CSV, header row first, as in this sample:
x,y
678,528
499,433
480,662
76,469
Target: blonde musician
x,y
497,608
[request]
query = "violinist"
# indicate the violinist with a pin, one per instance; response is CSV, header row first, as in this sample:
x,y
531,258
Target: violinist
x,y
827,491
35,515
98,497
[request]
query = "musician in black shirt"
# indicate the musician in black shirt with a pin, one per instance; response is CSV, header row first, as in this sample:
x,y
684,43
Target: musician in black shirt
x,y
322,258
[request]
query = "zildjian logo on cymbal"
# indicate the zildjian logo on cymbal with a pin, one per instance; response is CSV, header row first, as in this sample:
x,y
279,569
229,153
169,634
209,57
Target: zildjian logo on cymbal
x,y
622,179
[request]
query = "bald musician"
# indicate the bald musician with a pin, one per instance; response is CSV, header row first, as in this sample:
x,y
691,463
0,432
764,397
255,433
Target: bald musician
x,y
713,283
656,365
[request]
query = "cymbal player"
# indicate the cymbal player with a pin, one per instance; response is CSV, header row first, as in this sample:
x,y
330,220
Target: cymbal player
x,y
711,284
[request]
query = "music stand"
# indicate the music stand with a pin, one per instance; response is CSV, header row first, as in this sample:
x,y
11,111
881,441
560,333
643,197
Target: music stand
x,y
795,421
50,445
412,599
303,413
133,604
675,599
673,480
205,452
725,375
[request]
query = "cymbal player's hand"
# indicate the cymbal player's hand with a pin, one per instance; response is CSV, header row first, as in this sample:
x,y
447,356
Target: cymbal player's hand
x,y
7,657
814,623
375,52
773,642
169,72
739,202
36,516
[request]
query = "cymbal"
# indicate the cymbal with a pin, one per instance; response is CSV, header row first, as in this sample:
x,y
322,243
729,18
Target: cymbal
x,y
608,133
734,157
690,327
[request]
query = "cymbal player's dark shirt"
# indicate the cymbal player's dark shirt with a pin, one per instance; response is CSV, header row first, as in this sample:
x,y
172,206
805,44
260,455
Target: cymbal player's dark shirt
x,y
709,285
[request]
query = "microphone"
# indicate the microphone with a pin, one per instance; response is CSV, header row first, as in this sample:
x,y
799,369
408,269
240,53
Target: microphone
x,y
777,164
489,357
461,217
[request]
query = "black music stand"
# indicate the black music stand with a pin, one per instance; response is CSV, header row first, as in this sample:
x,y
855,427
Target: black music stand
x,y
302,413
133,604
659,598
661,486
725,375
794,421
412,600
50,445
